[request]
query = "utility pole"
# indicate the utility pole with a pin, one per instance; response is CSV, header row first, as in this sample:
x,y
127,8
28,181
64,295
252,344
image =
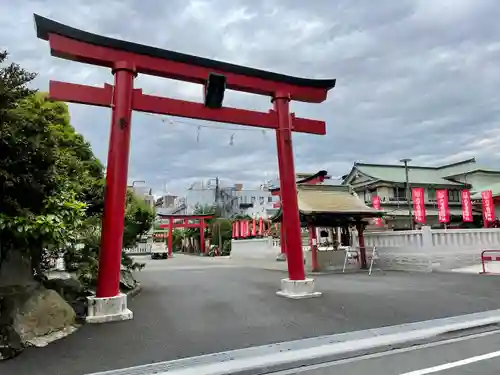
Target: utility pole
x,y
220,236
408,195
217,191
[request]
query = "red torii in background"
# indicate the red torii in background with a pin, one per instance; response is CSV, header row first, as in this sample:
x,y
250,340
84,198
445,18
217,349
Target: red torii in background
x,y
202,225
126,60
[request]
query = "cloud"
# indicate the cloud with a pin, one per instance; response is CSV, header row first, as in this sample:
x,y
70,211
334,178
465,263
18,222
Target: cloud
x,y
416,78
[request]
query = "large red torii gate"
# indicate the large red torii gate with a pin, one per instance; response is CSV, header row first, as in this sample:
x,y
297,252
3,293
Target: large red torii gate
x,y
126,60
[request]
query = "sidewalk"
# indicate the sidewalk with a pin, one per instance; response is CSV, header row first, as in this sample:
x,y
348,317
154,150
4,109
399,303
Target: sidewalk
x,y
197,306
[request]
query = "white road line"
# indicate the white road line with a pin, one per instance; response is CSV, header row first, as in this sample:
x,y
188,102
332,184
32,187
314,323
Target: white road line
x,y
391,352
450,365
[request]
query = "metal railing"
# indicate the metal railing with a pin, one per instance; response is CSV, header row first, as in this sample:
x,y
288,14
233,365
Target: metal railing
x,y
489,258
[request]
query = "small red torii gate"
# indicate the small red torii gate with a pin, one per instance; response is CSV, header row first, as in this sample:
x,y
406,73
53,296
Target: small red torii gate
x,y
126,60
202,225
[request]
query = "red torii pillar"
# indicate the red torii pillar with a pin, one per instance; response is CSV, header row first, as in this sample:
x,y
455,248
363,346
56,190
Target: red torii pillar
x,y
170,236
126,59
317,178
313,243
202,236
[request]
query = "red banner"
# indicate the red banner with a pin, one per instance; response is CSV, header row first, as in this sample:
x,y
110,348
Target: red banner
x,y
418,197
376,205
488,207
466,206
442,203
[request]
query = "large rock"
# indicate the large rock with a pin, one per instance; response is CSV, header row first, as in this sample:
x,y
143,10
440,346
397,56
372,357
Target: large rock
x,y
73,292
42,313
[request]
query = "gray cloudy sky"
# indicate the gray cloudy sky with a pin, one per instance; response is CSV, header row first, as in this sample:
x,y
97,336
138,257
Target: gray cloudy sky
x,y
415,78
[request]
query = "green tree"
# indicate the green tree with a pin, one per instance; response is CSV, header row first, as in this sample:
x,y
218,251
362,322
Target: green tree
x,y
52,183
139,218
40,210
84,258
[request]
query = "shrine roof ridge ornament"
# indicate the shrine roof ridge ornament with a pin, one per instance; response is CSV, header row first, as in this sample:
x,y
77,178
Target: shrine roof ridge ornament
x,y
316,177
46,27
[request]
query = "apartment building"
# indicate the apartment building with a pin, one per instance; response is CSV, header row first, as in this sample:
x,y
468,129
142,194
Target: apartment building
x,y
231,199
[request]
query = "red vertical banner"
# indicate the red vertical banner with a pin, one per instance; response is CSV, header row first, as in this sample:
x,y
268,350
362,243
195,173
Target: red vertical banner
x,y
237,229
488,207
442,203
466,206
376,205
242,229
418,197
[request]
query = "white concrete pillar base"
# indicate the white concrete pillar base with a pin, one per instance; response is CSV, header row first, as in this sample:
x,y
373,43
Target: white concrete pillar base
x,y
108,309
298,289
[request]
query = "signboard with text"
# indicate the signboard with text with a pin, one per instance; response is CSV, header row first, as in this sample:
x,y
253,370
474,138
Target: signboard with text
x,y
418,197
488,207
442,203
466,207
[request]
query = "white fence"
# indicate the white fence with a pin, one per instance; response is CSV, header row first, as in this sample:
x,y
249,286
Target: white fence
x,y
139,249
432,249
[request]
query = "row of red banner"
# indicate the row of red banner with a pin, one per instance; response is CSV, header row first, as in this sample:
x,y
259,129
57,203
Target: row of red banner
x,y
419,213
246,228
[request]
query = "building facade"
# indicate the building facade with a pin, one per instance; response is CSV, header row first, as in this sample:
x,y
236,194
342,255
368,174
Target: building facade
x,y
230,199
389,183
144,193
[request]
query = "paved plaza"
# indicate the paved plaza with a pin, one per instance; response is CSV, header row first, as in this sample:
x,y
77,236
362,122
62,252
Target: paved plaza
x,y
191,306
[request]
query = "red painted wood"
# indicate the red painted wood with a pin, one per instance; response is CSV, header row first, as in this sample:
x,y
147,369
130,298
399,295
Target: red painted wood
x,y
362,248
125,99
314,248
74,50
170,238
108,280
182,225
288,187
99,96
202,227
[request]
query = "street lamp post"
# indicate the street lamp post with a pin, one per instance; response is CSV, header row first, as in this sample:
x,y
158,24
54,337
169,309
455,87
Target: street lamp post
x,y
408,195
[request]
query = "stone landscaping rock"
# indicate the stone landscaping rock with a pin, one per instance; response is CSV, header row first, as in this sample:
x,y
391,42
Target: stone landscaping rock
x,y
43,312
73,292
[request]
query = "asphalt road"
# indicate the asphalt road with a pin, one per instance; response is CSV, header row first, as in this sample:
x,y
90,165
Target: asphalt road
x,y
191,306
476,354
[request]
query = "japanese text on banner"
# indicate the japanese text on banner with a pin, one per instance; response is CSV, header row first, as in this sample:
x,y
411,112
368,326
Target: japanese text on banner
x,y
442,203
418,204
466,206
488,206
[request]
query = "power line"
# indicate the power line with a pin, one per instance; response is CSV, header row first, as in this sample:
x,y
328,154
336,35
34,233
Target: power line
x,y
171,121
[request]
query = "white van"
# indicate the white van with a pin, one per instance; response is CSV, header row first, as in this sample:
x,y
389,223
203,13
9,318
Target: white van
x,y
159,250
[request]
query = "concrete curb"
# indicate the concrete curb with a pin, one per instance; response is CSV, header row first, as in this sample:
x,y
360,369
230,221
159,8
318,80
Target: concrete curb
x,y
292,354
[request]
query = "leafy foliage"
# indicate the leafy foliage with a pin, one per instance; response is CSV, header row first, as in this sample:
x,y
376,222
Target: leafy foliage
x,y
41,209
52,193
139,217
83,259
221,231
